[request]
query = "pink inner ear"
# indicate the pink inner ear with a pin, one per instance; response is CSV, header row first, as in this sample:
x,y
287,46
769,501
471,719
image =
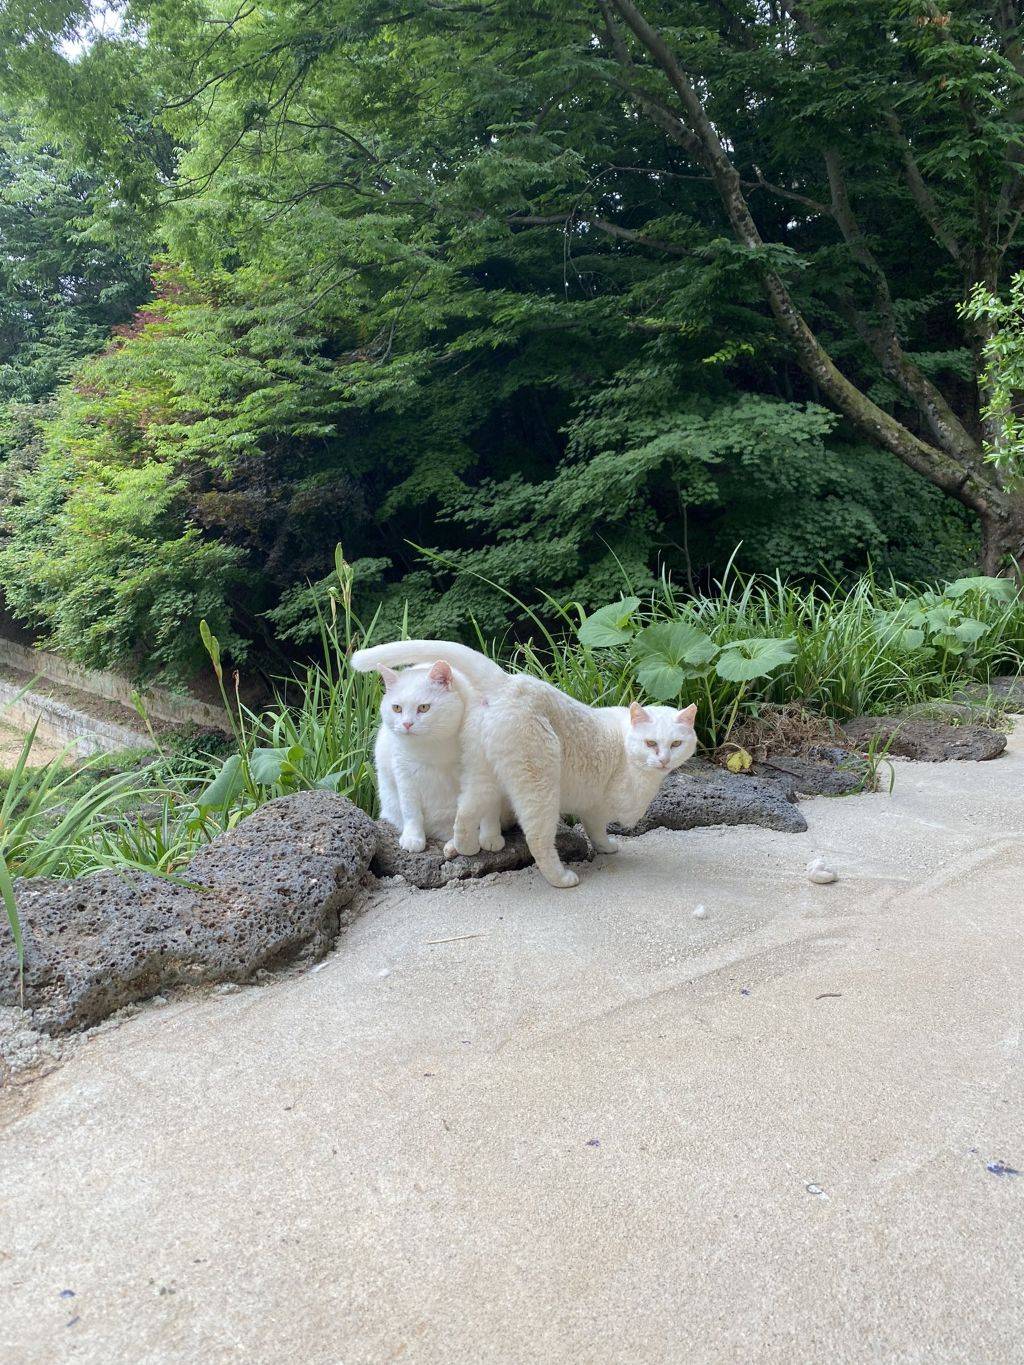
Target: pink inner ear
x,y
441,673
686,717
389,675
637,714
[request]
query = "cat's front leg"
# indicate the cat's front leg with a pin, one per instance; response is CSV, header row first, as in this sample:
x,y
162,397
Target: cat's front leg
x,y
387,787
465,839
412,838
491,836
597,832
478,816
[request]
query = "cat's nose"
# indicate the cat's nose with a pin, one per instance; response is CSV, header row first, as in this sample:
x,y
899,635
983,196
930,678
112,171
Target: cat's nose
x,y
406,724
663,763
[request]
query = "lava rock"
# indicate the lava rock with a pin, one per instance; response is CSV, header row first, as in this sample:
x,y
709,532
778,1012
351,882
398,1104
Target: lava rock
x,y
926,741
701,795
431,869
282,877
1004,694
811,776
282,883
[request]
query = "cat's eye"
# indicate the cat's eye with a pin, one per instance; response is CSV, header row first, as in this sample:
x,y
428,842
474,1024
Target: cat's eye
x,y
675,744
424,707
396,707
652,744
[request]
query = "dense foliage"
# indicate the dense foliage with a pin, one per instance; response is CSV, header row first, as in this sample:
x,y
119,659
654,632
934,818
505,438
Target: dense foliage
x,y
474,278
751,648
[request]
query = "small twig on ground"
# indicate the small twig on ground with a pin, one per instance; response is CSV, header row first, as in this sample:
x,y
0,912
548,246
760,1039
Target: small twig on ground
x,y
456,939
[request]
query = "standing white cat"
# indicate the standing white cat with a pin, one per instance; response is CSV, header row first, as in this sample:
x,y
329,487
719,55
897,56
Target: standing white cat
x,y
526,741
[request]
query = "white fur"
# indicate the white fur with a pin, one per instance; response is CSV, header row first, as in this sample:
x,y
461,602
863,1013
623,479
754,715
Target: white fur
x,y
548,754
418,753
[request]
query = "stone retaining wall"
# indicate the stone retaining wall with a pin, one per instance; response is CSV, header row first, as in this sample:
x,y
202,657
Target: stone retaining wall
x,y
60,724
160,703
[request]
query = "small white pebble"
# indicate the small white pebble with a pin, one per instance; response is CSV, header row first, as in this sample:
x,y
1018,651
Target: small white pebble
x,y
384,971
699,912
227,988
819,872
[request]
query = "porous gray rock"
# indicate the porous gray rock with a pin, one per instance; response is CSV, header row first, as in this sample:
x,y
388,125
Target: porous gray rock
x,y
431,869
1005,694
813,776
281,883
282,876
924,740
700,795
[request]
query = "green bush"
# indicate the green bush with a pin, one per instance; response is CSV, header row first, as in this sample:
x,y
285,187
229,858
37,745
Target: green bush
x,y
865,646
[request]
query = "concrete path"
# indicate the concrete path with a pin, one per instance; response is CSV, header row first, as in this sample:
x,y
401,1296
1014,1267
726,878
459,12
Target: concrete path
x,y
591,1128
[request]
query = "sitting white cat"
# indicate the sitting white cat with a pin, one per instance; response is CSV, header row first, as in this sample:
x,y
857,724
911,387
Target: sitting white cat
x,y
548,754
418,752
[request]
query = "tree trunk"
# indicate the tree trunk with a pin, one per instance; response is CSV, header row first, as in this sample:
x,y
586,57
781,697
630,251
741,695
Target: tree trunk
x,y
1002,540
951,460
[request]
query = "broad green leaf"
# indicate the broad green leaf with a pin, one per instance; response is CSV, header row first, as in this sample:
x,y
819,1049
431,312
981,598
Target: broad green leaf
x,y
330,783
675,642
912,639
744,660
660,680
608,625
265,765
949,643
941,617
988,587
226,785
668,655
970,630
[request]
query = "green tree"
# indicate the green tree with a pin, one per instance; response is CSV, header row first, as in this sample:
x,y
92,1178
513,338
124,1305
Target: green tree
x,y
864,158
557,289
61,289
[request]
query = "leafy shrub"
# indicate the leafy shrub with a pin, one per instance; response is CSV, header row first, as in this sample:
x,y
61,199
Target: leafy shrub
x,y
840,650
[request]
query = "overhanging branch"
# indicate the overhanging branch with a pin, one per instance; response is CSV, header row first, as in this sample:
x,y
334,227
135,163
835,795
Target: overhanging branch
x,y
971,484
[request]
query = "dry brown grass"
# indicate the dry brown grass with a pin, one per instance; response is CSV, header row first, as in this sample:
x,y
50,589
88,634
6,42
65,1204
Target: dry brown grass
x,y
788,729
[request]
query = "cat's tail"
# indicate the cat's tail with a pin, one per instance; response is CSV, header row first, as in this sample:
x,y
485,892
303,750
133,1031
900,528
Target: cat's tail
x,y
481,671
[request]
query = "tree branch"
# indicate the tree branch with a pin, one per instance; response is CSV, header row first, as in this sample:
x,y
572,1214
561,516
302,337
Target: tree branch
x,y
970,485
919,191
602,225
942,421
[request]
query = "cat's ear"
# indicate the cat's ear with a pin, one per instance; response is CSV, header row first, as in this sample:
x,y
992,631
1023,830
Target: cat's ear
x,y
637,714
441,673
686,717
389,675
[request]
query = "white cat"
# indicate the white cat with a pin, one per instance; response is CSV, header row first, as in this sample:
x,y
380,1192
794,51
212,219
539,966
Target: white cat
x,y
526,741
418,753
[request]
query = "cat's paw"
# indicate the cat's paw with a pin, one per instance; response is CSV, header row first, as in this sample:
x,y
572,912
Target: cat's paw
x,y
412,842
468,849
607,844
493,843
564,879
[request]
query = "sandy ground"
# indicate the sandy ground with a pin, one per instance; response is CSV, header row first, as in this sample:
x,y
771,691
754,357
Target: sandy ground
x,y
12,741
591,1128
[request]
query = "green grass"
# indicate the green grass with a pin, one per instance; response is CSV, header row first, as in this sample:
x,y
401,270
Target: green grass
x,y
848,644
864,646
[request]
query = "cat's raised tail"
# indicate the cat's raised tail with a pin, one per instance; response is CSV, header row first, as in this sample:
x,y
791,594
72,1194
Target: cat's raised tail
x,y
481,671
